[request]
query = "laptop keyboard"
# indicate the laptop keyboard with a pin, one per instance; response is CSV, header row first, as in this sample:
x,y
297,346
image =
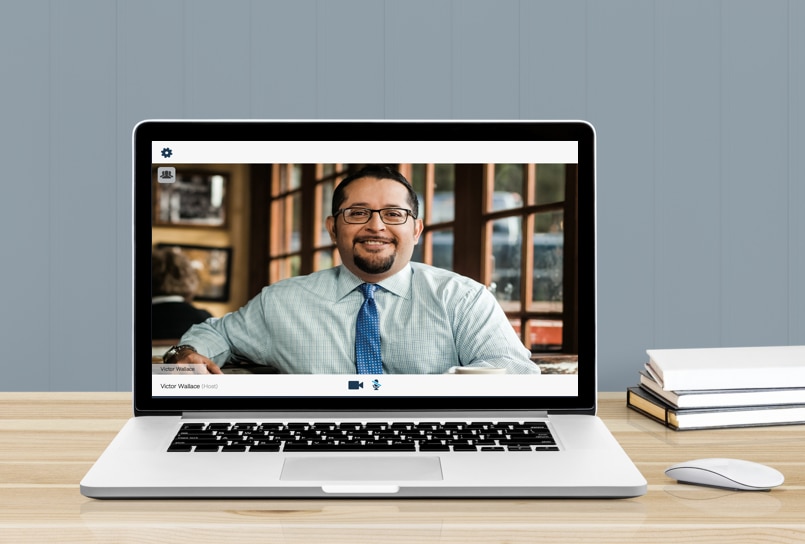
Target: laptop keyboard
x,y
309,437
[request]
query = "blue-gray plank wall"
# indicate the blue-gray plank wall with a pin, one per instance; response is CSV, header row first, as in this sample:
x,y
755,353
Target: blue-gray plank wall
x,y
699,109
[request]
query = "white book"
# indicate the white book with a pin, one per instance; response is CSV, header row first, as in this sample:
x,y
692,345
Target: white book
x,y
728,368
723,398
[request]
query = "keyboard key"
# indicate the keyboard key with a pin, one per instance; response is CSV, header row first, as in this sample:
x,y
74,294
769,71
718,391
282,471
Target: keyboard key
x,y
295,446
433,446
244,426
192,426
218,426
265,447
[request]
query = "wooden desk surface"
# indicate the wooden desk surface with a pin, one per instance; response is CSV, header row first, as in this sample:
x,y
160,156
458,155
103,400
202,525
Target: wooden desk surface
x,y
49,440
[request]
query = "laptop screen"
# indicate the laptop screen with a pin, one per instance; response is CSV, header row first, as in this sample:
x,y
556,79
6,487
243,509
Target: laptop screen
x,y
252,240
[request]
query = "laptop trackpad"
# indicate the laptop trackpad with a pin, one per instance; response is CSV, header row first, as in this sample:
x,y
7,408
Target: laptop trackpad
x,y
363,469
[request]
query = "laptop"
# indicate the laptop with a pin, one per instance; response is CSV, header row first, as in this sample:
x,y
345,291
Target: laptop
x,y
510,204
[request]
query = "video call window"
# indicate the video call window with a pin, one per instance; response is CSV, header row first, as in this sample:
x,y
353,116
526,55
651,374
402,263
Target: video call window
x,y
508,226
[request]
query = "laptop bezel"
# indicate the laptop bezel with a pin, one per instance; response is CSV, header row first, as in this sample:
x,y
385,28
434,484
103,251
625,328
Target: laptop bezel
x,y
266,130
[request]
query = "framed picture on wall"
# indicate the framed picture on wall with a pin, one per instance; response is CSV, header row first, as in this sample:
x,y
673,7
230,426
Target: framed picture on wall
x,y
214,266
189,198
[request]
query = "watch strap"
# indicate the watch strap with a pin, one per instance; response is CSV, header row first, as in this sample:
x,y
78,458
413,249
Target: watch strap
x,y
176,352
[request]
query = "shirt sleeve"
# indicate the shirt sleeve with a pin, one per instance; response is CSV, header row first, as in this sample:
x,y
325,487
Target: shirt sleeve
x,y
484,336
241,334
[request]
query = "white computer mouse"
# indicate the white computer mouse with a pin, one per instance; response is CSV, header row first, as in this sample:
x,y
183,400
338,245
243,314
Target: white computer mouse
x,y
726,473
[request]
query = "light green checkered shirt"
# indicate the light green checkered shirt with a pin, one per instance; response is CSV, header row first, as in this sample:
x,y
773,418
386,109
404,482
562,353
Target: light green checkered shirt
x,y
430,320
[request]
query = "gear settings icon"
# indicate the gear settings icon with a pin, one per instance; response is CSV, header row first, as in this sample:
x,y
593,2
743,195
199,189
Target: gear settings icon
x,y
167,152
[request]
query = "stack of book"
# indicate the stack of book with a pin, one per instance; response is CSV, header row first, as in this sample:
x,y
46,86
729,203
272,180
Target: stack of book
x,y
722,387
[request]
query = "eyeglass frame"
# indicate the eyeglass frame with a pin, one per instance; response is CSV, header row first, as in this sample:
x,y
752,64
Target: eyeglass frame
x,y
408,212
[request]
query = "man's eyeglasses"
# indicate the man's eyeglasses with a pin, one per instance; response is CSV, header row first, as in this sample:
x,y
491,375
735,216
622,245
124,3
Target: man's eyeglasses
x,y
389,216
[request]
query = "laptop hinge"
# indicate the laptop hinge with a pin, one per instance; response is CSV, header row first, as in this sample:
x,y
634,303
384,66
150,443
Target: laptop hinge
x,y
497,415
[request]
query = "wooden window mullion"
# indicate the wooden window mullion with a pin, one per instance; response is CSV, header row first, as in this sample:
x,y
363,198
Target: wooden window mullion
x,y
469,234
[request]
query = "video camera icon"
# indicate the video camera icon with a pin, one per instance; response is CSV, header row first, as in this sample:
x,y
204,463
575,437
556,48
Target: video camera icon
x,y
355,384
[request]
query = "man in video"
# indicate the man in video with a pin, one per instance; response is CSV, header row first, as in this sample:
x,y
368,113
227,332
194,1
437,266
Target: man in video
x,y
376,313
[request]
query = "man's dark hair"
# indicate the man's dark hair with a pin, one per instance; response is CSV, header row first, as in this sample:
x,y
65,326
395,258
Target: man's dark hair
x,y
378,172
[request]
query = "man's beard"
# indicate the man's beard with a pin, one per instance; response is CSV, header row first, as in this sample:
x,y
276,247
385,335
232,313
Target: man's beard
x,y
373,264
377,265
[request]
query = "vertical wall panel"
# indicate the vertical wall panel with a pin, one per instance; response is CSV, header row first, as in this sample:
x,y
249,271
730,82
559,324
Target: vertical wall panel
x,y
620,91
755,182
151,62
687,174
217,59
553,60
796,173
418,62
350,55
486,59
284,85
82,207
25,220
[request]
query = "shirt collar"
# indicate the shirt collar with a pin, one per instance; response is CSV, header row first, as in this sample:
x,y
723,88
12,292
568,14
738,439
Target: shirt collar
x,y
399,284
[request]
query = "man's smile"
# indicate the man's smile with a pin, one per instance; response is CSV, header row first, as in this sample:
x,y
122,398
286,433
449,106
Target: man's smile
x,y
374,243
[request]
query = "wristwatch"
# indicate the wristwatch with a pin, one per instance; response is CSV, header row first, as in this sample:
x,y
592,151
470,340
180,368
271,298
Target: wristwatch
x,y
174,352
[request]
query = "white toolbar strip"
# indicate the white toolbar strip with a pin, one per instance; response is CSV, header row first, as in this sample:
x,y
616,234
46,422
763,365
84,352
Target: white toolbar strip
x,y
440,385
358,152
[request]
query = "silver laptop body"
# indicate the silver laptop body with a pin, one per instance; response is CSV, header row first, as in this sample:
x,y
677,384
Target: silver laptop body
x,y
582,458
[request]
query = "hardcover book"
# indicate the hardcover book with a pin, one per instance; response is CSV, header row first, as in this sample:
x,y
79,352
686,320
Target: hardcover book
x,y
678,419
728,368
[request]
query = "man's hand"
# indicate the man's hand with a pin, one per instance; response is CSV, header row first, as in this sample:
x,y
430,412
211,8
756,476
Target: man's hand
x,y
192,358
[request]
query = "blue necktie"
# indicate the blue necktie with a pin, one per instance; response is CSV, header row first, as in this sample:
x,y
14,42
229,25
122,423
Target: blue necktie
x,y
367,334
